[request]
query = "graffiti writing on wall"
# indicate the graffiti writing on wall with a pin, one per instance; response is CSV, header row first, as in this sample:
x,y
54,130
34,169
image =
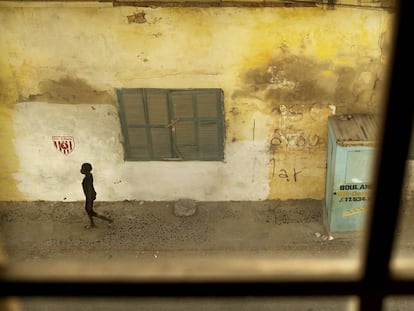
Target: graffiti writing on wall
x,y
292,113
295,140
64,144
287,175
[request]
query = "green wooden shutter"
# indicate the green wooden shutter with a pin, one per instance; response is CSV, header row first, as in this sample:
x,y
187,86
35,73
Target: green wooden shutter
x,y
158,119
160,124
133,126
199,124
184,136
210,125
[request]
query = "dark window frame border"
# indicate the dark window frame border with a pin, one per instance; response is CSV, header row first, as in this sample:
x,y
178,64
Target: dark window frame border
x,y
377,281
197,120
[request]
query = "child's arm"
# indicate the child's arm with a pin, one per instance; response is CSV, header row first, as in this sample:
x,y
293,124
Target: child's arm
x,y
89,189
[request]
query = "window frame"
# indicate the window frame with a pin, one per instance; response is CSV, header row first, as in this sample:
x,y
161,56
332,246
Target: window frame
x,y
173,124
377,280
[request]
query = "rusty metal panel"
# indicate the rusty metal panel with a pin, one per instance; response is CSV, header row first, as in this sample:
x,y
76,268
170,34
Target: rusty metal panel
x,y
355,129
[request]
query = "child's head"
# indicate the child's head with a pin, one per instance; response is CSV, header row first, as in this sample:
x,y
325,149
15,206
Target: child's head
x,y
86,168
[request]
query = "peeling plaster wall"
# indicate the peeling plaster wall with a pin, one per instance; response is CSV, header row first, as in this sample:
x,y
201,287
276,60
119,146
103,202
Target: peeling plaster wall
x,y
283,72
49,174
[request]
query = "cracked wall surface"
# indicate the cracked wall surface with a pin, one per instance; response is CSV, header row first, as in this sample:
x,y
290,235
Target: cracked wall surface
x,y
283,71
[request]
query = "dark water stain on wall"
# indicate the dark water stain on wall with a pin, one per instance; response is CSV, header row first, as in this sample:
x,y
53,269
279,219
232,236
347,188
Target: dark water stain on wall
x,y
138,18
294,79
71,91
288,79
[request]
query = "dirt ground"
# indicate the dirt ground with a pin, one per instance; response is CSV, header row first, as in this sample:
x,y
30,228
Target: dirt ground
x,y
36,232
47,230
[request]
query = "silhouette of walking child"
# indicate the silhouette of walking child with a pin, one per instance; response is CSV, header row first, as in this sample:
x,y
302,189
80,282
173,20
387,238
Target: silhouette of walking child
x,y
90,196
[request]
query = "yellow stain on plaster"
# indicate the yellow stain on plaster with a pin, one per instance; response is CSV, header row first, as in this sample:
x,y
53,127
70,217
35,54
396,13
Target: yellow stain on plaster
x,y
325,35
247,118
186,40
327,73
296,174
322,37
286,188
9,162
297,165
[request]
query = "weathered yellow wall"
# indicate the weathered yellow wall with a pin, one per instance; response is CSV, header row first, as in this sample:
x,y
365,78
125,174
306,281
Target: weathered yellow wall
x,y
8,96
282,70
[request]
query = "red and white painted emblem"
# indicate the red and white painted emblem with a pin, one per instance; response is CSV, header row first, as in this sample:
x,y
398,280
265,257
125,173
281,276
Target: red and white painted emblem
x,y
64,144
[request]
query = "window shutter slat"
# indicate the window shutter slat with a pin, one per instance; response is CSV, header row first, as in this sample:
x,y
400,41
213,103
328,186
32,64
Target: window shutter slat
x,y
209,141
164,124
157,108
137,136
161,143
133,108
182,105
184,133
138,153
185,140
138,144
207,105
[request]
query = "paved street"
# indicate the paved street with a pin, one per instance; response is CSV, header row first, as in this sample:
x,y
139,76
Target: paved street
x,y
48,238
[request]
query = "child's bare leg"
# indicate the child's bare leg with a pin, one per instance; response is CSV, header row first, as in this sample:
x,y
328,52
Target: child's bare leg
x,y
108,219
90,212
91,223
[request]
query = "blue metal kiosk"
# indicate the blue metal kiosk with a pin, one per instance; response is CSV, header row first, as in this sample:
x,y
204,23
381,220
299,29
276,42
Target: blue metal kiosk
x,y
351,151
